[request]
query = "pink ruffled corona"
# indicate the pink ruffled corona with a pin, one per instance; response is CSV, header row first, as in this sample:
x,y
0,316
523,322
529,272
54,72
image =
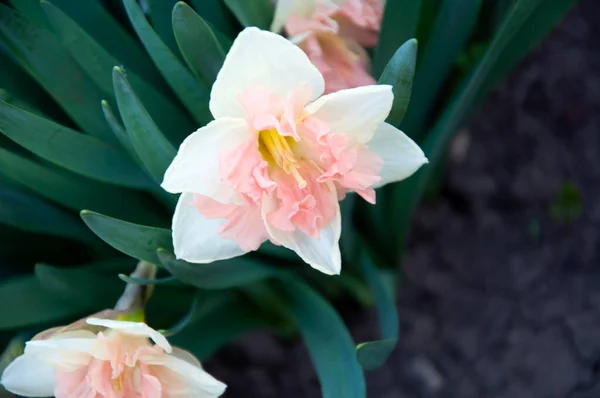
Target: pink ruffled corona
x,y
333,34
279,156
118,362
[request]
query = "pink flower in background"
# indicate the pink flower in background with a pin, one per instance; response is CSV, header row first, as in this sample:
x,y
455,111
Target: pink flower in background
x,y
278,157
333,33
117,362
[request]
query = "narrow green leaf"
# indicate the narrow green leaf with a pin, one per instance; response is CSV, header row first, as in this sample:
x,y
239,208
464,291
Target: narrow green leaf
x,y
257,13
218,15
193,94
112,36
19,84
160,16
225,320
31,10
30,213
153,149
410,192
76,192
217,275
119,132
31,304
399,73
43,57
137,241
140,281
399,24
539,23
74,151
192,34
80,285
98,64
373,354
101,25
452,30
328,341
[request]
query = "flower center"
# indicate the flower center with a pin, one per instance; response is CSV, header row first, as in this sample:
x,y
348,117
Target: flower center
x,y
277,149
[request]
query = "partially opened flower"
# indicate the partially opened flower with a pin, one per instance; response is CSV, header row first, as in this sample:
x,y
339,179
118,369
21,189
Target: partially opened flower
x,y
333,33
277,158
118,361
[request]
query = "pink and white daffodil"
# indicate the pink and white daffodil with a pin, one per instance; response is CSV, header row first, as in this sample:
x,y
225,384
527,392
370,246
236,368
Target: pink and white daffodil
x,y
333,33
117,362
278,157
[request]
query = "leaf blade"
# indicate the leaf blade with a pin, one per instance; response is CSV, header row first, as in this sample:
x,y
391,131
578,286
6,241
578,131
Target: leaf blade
x,y
399,73
218,275
399,24
55,143
137,241
332,350
153,149
192,32
193,95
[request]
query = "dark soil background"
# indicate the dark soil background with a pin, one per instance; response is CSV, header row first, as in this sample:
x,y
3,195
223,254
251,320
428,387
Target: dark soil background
x,y
500,297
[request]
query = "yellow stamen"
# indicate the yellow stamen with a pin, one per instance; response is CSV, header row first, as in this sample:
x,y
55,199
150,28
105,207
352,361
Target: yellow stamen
x,y
278,149
118,384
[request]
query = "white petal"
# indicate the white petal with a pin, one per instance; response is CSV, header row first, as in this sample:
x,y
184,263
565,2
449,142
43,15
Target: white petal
x,y
356,112
401,156
28,377
196,166
285,8
261,58
133,329
196,238
186,356
198,383
322,254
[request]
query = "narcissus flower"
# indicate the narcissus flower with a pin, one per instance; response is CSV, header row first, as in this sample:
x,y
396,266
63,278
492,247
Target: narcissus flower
x,y
119,361
333,33
277,158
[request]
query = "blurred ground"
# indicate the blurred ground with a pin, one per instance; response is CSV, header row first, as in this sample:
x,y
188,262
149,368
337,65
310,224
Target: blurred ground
x,y
501,295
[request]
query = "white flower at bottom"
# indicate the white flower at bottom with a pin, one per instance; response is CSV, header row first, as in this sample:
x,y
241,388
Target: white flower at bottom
x,y
118,362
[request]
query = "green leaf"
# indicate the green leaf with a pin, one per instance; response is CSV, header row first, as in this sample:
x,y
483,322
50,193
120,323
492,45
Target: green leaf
x,y
329,344
373,354
74,151
30,213
399,73
31,10
153,149
21,86
43,57
539,23
399,24
76,192
218,322
31,304
160,16
452,30
137,241
193,33
101,25
217,275
217,14
81,286
141,281
98,64
119,132
193,94
257,13
410,192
